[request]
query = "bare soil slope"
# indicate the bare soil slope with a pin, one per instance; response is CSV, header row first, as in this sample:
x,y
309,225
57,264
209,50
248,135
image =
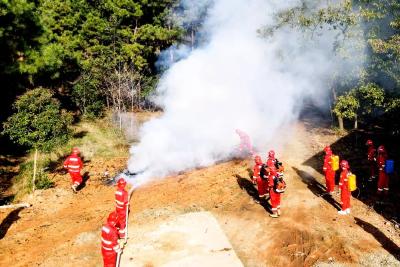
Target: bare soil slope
x,y
62,229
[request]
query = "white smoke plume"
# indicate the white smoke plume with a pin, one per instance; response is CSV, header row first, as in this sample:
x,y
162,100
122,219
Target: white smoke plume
x,y
236,80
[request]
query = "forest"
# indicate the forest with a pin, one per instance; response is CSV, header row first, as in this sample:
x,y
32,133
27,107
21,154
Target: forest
x,y
63,61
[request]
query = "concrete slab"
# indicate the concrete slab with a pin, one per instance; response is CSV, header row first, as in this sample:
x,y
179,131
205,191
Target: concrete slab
x,y
188,240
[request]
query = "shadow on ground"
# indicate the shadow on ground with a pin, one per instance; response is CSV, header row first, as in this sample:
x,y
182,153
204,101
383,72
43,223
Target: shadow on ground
x,y
85,178
246,184
316,188
386,243
12,217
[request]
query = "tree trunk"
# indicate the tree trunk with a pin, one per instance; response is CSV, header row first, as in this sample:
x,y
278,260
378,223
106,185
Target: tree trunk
x,y
34,170
356,122
340,119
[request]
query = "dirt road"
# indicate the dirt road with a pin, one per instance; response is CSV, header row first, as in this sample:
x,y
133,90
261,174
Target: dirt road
x,y
62,229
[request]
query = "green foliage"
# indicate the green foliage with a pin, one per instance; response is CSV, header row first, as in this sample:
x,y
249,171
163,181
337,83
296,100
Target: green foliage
x,y
43,181
38,122
371,97
346,106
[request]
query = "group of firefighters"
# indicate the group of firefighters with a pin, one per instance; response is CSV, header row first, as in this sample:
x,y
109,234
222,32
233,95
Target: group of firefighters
x,y
114,231
378,163
268,177
269,180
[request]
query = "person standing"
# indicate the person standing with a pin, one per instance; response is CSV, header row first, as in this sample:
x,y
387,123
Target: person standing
x,y
122,204
328,170
74,165
383,177
274,196
371,159
109,241
345,193
245,142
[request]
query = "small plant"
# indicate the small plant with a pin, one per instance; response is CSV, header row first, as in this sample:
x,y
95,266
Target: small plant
x,y
43,181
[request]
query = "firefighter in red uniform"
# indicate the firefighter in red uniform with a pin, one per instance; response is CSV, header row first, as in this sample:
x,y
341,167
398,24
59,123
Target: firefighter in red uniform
x,y
121,201
344,188
74,165
245,142
383,178
371,159
262,182
328,170
271,159
274,196
109,241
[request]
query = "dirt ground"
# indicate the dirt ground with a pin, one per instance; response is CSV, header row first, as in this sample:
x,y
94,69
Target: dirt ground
x,y
63,229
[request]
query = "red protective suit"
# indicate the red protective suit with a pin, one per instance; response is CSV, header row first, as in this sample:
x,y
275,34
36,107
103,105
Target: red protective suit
x,y
109,244
329,172
371,160
383,178
262,183
274,196
344,190
245,142
121,201
74,165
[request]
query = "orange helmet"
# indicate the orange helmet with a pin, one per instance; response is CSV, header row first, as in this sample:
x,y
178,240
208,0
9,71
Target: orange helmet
x,y
257,159
112,218
271,154
75,151
121,183
369,142
327,149
344,164
381,149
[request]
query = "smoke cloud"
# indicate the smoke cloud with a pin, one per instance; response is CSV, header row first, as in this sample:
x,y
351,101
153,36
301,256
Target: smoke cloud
x,y
233,80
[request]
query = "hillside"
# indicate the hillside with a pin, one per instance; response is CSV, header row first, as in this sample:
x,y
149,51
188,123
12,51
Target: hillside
x,y
62,229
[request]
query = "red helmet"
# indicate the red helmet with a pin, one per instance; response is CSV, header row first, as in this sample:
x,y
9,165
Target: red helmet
x,y
271,154
344,164
121,183
75,151
381,149
369,142
257,159
112,218
327,148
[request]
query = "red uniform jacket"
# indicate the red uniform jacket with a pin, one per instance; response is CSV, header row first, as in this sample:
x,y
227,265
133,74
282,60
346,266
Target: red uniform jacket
x,y
73,163
256,171
327,162
121,199
344,183
382,157
271,176
109,238
371,153
271,162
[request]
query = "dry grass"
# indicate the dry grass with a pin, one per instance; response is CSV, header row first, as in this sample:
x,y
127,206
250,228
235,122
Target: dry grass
x,y
95,139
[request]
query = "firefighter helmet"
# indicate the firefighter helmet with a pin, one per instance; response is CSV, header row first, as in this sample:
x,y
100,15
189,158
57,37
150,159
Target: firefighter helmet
x,y
381,149
75,151
271,154
327,148
344,164
257,159
112,218
121,183
369,142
